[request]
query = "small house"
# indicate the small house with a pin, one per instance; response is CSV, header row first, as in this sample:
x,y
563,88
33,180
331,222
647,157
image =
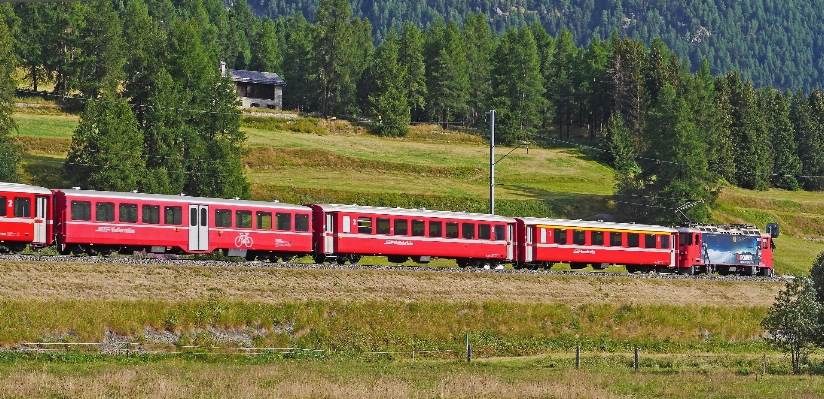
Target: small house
x,y
257,89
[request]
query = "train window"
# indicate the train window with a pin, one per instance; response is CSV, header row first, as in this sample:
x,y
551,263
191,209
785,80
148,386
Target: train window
x,y
633,240
683,239
649,240
128,213
417,228
616,239
204,217
597,238
401,227
243,219
468,231
383,226
2,206
173,215
483,231
665,239
81,210
560,236
22,207
193,217
263,220
151,214
579,237
435,228
283,221
764,244
365,225
499,232
452,229
223,218
301,222
104,212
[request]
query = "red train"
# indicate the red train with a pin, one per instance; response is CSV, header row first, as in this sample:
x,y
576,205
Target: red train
x,y
97,222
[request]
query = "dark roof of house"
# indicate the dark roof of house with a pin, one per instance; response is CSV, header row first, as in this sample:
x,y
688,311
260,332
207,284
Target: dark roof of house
x,y
267,78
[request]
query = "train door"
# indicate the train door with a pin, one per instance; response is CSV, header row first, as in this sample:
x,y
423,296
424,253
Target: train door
x,y
528,256
328,233
510,251
198,228
673,246
40,219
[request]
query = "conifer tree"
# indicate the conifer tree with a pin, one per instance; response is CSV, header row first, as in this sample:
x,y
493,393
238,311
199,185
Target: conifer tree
x,y
479,45
98,59
546,51
31,40
331,50
447,73
810,129
106,150
389,101
265,50
595,88
411,58
517,85
9,149
786,165
563,81
298,73
751,149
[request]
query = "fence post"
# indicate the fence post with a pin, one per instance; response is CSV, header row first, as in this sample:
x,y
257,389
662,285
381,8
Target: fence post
x,y
764,365
578,357
468,350
636,359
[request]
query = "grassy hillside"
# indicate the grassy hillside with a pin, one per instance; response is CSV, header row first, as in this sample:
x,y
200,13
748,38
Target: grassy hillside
x,y
309,160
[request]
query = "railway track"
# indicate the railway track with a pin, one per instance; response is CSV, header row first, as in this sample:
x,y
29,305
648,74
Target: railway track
x,y
131,260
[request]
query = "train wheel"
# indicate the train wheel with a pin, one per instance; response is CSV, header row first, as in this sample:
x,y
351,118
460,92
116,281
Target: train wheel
x,y
462,263
354,259
689,271
286,258
753,271
631,269
319,258
250,256
766,272
341,259
17,249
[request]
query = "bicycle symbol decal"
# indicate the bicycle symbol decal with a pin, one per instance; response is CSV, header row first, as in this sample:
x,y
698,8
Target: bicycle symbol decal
x,y
243,240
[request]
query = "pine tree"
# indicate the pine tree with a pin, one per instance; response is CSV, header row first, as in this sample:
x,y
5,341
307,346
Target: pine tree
x,y
31,38
546,50
411,58
517,85
10,153
618,149
144,55
331,48
629,94
447,73
389,102
98,59
266,54
479,44
298,73
811,143
786,165
595,88
751,150
563,81
105,153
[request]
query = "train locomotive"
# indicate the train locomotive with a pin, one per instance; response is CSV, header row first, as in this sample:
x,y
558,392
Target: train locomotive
x,y
98,222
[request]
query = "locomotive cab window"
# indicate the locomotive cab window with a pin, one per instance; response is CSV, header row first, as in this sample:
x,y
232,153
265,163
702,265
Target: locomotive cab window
x,y
500,232
263,220
151,214
418,228
560,236
243,219
301,222
649,240
81,210
173,215
283,221
468,231
401,227
364,225
579,237
683,239
616,239
3,206
452,229
22,207
383,226
128,213
223,218
597,238
435,228
104,211
632,240
483,232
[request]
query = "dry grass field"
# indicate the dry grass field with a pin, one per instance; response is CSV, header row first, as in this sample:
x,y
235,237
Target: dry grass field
x,y
149,280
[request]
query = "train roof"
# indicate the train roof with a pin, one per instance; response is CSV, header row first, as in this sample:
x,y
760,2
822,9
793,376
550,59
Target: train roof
x,y
734,229
590,224
23,188
377,210
177,198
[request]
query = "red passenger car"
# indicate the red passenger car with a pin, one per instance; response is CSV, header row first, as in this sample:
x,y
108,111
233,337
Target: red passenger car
x,y
736,249
544,242
347,232
104,222
25,217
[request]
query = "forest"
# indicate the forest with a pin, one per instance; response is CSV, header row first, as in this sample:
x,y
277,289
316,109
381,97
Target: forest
x,y
768,42
163,115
